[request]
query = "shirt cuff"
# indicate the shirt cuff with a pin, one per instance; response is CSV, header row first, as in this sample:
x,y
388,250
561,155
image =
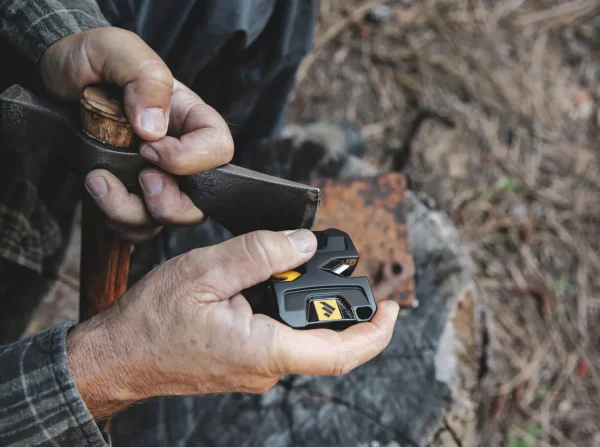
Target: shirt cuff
x,y
33,30
39,403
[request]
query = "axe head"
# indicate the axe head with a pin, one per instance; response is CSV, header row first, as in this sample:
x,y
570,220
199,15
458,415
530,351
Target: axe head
x,y
239,199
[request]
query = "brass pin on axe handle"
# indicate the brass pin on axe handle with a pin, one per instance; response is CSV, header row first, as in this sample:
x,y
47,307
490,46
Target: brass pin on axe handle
x,y
105,256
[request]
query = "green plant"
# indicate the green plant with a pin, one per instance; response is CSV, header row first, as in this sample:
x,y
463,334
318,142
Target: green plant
x,y
558,286
527,439
506,184
539,393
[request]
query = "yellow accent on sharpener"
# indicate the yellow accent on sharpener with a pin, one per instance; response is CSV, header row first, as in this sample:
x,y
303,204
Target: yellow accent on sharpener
x,y
288,276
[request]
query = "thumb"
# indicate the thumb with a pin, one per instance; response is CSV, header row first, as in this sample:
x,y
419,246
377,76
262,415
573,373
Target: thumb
x,y
115,56
123,58
247,260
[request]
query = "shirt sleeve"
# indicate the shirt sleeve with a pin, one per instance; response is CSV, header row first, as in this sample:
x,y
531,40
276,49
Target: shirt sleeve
x,y
39,404
33,25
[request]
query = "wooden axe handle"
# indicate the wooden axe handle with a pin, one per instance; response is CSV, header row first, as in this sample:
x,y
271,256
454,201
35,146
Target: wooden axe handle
x,y
104,255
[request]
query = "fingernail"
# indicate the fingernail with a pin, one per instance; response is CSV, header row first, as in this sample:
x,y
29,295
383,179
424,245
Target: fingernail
x,y
302,240
149,153
152,183
97,187
154,120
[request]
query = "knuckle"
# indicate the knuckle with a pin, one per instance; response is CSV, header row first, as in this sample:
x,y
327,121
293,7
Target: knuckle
x,y
191,268
160,75
165,212
187,265
175,211
276,364
196,111
340,368
261,247
217,132
210,294
227,148
115,210
121,218
175,158
122,33
341,365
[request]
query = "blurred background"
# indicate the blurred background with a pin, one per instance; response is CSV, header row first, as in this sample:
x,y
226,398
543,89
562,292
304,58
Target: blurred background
x,y
492,108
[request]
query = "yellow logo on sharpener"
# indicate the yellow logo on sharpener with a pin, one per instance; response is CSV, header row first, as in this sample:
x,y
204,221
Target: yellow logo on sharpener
x,y
327,310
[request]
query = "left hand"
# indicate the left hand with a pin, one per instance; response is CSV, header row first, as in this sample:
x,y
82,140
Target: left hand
x,y
199,138
186,329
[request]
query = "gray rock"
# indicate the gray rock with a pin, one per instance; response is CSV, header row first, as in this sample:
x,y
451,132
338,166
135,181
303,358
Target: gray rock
x,y
574,45
419,391
518,210
339,137
381,14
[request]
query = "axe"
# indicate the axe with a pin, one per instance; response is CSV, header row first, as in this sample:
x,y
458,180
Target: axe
x,y
98,135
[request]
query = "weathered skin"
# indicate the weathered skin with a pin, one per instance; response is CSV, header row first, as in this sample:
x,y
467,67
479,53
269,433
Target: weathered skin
x,y
224,193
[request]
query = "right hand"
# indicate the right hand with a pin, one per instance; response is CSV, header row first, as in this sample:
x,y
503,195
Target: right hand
x,y
198,137
185,329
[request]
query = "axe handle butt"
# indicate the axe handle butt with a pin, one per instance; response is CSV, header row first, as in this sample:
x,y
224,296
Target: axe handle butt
x,y
104,255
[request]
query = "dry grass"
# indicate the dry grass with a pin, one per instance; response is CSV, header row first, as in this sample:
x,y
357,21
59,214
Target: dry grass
x,y
519,171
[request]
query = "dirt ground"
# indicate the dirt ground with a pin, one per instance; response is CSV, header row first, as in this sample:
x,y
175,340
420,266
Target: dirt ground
x,y
497,104
491,108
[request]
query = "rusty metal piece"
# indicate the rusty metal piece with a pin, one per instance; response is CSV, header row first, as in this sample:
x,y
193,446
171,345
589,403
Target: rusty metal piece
x,y
372,211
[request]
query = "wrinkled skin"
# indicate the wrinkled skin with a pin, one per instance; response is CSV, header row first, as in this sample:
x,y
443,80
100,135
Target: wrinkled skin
x,y
185,329
198,138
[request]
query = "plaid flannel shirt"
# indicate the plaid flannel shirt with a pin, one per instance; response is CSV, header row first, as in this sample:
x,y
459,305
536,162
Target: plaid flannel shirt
x,y
39,404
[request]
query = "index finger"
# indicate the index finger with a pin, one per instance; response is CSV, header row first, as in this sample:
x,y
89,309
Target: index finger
x,y
200,138
323,352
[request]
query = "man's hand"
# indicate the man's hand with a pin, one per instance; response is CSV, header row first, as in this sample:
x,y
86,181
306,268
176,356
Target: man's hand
x,y
198,140
185,329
